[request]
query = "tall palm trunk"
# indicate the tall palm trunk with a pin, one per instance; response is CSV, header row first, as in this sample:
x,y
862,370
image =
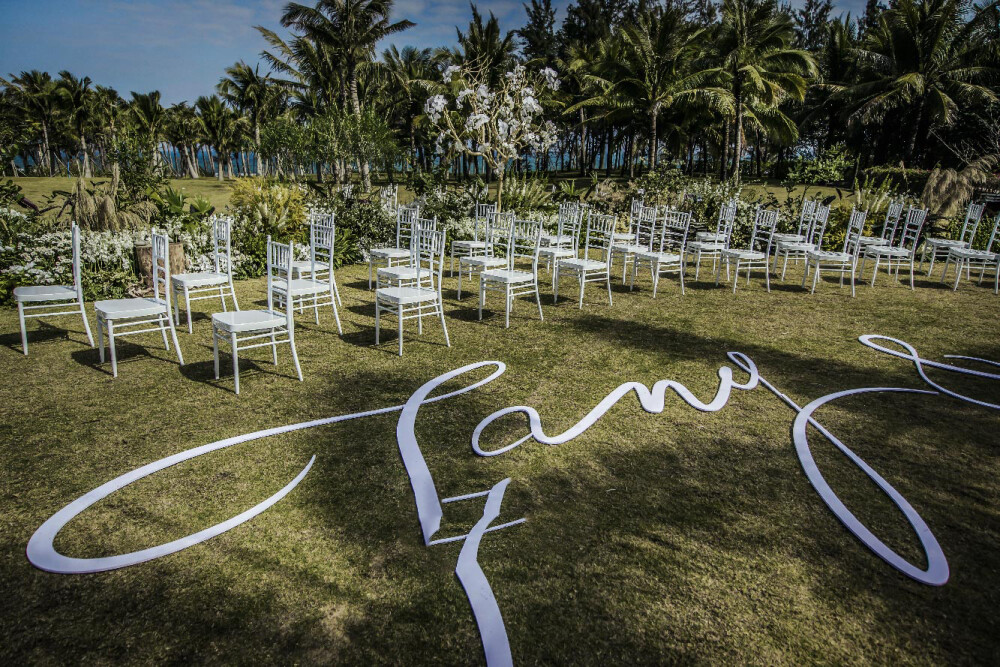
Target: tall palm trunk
x,y
738,95
583,143
366,182
652,134
47,150
86,157
724,167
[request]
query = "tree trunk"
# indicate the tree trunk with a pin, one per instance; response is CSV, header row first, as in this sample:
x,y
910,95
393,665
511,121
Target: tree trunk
x,y
366,182
499,188
583,143
86,158
48,162
652,138
738,94
724,167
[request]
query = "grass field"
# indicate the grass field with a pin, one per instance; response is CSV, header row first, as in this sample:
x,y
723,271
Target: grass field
x,y
678,537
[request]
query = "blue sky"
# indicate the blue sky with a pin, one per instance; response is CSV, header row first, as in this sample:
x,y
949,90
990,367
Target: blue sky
x,y
181,47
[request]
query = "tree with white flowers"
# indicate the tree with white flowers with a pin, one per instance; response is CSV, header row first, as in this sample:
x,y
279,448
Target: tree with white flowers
x,y
496,124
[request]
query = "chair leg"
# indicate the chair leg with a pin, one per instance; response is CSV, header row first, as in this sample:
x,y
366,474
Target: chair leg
x,y
852,283
100,337
369,274
86,323
875,270
784,267
459,280
736,275
697,265
767,276
111,345
815,279
222,298
440,309
336,290
583,281
555,283
232,293
508,307
538,300
215,350
911,272
177,305
611,301
163,331
295,354
24,332
482,296
682,276
656,276
718,273
236,363
958,274
378,321
187,308
399,316
173,335
452,273
333,304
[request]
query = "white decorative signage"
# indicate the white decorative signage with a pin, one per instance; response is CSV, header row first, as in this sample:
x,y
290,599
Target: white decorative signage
x,y
42,554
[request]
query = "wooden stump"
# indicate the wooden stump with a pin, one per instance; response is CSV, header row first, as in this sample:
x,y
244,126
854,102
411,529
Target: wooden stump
x,y
144,261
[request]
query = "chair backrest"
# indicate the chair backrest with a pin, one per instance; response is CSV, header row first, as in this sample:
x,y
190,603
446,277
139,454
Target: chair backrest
x,y
406,216
892,217
322,235
279,266
222,233
817,228
600,233
481,213
764,224
645,227
77,279
911,228
389,195
994,236
971,225
674,227
573,226
430,245
525,238
634,209
726,219
806,216
161,267
855,228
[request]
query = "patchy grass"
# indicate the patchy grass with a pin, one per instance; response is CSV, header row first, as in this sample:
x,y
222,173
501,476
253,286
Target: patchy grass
x,y
39,188
650,538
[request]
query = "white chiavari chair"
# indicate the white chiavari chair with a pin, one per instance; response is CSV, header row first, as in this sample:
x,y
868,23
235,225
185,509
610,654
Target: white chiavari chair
x,y
667,255
406,218
901,254
476,246
938,247
119,317
711,244
595,264
217,284
520,275
494,256
54,300
249,329
811,239
969,258
756,255
844,262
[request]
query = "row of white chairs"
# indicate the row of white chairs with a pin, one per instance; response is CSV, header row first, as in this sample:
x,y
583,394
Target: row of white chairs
x,y
506,261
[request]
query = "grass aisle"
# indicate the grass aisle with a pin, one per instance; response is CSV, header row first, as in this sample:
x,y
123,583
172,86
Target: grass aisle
x,y
651,538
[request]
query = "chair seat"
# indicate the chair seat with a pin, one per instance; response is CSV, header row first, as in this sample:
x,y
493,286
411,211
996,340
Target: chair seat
x,y
830,256
580,264
300,286
205,279
946,243
707,246
405,295
751,255
622,236
796,246
468,245
872,240
660,257
969,253
631,248
483,262
507,276
557,239
390,253
403,273
555,253
240,321
44,293
714,237
886,251
789,238
115,309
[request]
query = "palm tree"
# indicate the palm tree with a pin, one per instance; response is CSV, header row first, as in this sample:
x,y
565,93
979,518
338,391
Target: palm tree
x,y
74,96
254,95
762,69
149,117
409,73
659,68
36,94
219,123
183,131
921,61
350,29
484,48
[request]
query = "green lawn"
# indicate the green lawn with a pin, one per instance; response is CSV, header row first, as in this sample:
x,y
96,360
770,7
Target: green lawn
x,y
678,537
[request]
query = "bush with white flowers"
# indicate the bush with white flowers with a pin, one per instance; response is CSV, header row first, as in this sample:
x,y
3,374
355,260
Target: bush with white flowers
x,y
496,124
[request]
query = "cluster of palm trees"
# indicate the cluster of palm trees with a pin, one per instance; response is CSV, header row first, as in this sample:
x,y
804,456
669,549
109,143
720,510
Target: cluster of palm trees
x,y
716,87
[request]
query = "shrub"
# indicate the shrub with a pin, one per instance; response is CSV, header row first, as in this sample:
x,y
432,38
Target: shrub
x,y
276,209
897,178
829,167
527,194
